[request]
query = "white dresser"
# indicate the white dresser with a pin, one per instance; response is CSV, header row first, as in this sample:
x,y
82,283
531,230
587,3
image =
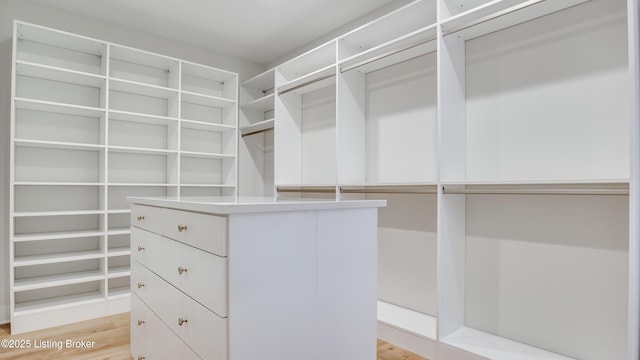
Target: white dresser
x,y
253,278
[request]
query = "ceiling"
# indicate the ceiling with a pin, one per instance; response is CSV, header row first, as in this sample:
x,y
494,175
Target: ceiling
x,y
255,30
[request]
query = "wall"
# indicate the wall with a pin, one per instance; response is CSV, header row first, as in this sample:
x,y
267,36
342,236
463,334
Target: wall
x,y
42,15
5,97
340,31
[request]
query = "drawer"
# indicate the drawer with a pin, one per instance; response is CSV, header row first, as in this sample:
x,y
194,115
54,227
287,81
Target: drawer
x,y
203,231
199,274
152,339
147,217
140,241
201,329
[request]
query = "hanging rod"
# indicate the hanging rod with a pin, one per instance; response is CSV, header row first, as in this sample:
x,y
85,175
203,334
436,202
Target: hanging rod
x,y
411,190
256,132
309,189
259,127
306,83
537,191
386,54
491,17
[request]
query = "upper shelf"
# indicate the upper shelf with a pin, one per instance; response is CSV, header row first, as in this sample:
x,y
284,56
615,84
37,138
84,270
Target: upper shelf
x,y
310,82
262,104
261,82
29,69
60,39
408,46
308,63
408,19
500,14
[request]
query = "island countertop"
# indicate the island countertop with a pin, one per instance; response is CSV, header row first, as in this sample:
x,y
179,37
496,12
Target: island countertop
x,y
241,204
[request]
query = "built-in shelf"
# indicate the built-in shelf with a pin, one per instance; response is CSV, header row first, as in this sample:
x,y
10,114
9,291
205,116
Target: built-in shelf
x,y
48,281
57,145
263,104
407,320
316,80
58,74
94,123
58,108
59,302
500,14
206,100
57,258
201,125
258,127
419,42
496,347
56,235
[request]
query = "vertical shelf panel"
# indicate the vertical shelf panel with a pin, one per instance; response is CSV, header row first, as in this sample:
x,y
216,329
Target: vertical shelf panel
x,y
94,123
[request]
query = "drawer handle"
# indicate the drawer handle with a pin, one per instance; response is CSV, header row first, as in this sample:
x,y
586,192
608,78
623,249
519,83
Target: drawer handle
x,y
140,322
181,270
140,357
141,217
182,321
140,285
182,228
140,248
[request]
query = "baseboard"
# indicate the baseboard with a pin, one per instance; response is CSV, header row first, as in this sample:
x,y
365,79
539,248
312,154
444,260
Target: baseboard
x,y
5,317
415,343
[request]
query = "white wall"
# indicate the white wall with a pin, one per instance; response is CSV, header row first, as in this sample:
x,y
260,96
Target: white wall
x,y
28,11
5,95
332,34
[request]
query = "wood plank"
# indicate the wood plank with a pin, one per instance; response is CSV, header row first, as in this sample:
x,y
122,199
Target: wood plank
x,y
111,336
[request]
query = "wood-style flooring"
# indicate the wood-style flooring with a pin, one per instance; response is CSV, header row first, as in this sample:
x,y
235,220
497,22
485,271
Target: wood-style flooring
x,y
111,337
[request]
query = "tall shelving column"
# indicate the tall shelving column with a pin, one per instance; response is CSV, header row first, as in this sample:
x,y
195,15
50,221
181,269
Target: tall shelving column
x,y
533,218
91,124
57,212
633,332
305,123
256,127
208,131
387,149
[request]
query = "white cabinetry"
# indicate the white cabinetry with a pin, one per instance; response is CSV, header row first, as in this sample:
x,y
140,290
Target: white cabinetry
x,y
92,123
213,277
502,146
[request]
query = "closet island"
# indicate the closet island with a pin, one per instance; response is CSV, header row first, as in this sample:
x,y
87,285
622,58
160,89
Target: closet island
x,y
212,275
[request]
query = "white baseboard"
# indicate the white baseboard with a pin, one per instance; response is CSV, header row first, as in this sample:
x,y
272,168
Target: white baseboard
x,y
5,317
415,343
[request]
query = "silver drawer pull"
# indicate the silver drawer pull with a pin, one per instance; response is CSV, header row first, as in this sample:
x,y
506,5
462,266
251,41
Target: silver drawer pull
x,y
140,248
182,228
140,322
140,357
140,285
181,270
140,217
182,321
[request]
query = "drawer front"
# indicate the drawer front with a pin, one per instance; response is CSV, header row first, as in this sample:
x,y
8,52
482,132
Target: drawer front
x,y
203,231
199,274
147,217
201,329
143,245
151,339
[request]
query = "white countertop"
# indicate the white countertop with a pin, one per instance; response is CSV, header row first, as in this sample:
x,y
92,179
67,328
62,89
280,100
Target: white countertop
x,y
241,204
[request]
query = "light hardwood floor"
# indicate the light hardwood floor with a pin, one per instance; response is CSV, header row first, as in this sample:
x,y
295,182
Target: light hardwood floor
x,y
111,337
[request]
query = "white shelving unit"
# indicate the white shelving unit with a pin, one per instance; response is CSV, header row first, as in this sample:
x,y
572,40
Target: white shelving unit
x,y
93,123
511,225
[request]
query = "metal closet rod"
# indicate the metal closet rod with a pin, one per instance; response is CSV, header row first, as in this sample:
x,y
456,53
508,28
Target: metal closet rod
x,y
493,16
387,54
323,190
389,191
312,81
537,191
